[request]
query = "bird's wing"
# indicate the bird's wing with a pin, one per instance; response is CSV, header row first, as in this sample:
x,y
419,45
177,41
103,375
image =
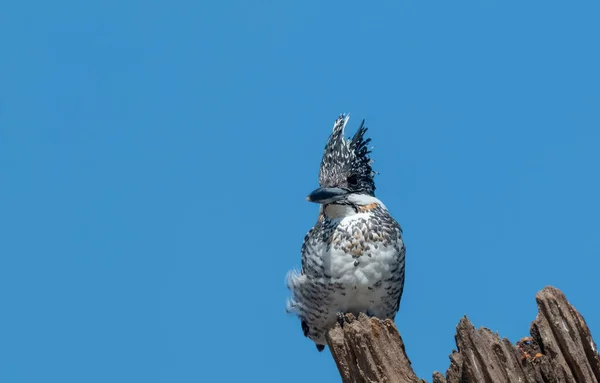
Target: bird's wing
x,y
309,240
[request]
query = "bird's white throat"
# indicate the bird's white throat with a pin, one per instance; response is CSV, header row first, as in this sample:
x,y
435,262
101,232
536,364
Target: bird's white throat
x,y
334,211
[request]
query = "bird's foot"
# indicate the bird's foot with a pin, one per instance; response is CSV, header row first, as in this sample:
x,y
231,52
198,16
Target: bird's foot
x,y
341,318
320,347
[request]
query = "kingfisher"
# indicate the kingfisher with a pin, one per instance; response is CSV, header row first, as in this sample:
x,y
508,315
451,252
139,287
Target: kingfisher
x,y
353,257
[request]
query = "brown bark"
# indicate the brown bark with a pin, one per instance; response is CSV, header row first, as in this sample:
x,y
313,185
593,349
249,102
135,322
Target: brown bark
x,y
370,350
559,350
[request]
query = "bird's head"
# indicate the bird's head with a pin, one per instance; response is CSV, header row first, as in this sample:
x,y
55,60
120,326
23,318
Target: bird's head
x,y
345,167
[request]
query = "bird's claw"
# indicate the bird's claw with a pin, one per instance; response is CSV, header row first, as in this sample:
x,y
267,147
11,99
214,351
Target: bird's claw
x,y
341,317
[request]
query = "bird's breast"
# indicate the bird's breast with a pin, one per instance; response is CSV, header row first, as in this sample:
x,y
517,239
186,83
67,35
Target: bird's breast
x,y
358,252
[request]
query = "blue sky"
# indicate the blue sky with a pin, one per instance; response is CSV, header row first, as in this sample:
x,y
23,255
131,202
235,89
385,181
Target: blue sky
x,y
155,158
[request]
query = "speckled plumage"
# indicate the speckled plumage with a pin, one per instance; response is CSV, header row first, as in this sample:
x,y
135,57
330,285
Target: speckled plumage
x,y
353,258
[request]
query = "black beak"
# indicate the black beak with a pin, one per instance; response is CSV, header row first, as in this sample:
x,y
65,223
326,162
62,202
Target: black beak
x,y
326,195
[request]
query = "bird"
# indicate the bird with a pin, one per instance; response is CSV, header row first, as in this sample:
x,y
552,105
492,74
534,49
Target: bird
x,y
353,258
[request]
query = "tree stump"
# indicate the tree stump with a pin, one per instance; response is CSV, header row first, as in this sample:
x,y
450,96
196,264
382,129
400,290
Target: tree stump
x,y
559,350
370,350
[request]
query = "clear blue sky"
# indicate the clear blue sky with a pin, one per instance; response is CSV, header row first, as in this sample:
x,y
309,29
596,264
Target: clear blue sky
x,y
155,157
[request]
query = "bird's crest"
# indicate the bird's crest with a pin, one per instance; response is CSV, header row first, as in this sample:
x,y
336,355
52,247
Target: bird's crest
x,y
346,162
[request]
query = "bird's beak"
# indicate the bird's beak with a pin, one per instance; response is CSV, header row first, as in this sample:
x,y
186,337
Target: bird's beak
x,y
326,195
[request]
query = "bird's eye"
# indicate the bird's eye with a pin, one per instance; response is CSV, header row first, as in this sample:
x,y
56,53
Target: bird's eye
x,y
352,180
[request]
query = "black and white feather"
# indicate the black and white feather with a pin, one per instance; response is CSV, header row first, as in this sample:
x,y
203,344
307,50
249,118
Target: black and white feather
x,y
353,258
343,158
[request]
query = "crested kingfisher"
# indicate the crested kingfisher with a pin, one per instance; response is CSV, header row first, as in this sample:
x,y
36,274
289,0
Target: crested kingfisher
x,y
353,257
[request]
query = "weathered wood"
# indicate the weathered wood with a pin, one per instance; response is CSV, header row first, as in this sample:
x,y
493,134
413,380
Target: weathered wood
x,y
559,350
370,350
